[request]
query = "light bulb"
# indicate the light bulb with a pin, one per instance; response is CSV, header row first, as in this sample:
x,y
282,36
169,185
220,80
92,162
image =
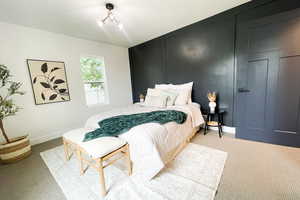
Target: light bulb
x,y
120,26
100,23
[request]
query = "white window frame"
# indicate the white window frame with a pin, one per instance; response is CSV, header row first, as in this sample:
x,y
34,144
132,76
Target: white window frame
x,y
106,92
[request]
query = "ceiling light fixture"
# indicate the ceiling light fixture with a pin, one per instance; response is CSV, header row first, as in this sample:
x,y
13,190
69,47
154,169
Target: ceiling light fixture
x,y
110,16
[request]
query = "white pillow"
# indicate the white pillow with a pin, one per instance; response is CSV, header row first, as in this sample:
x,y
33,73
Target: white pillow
x,y
153,92
182,98
188,86
183,86
163,86
156,101
171,95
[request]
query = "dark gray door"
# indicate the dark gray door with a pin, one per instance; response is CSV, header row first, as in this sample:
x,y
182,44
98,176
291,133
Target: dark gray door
x,y
268,79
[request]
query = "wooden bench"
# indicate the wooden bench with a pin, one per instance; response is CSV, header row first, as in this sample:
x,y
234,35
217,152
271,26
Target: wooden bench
x,y
97,151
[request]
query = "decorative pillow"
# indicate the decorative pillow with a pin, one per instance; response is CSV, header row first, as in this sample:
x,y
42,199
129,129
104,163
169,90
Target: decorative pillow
x,y
186,86
156,101
182,98
171,95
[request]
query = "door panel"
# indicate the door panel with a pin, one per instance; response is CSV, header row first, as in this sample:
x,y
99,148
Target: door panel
x,y
287,101
256,97
254,104
268,66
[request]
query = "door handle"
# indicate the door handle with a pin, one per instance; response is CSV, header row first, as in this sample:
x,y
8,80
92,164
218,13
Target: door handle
x,y
243,90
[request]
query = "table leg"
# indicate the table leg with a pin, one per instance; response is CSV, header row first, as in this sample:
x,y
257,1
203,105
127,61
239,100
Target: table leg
x,y
220,126
222,122
220,131
206,124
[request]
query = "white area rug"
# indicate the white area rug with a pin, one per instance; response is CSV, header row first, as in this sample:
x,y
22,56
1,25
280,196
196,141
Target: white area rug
x,y
194,175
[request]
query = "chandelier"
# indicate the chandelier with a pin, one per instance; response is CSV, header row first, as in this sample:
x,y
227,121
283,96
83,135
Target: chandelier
x,y
110,17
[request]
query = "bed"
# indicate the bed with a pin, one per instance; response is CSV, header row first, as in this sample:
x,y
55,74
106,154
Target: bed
x,y
153,145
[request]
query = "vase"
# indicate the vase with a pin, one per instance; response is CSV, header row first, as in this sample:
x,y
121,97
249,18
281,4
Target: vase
x,y
212,106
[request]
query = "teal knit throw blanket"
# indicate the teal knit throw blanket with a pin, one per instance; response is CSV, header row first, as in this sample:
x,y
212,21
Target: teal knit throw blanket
x,y
115,126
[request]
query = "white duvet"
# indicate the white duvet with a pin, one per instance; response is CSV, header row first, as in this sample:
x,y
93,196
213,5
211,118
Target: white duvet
x,y
150,143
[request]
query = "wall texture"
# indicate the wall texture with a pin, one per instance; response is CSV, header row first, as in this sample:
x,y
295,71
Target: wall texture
x,y
203,52
44,122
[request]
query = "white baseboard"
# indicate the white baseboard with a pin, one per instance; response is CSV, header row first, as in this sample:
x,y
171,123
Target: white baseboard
x,y
226,129
44,138
41,139
50,136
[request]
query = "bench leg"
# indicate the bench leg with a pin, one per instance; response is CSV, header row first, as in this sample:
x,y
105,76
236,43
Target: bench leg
x,y
66,148
101,176
128,160
80,161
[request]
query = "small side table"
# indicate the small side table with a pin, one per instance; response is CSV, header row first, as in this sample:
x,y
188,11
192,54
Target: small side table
x,y
210,123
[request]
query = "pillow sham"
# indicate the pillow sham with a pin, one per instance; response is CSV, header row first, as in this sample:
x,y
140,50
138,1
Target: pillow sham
x,y
171,96
156,101
186,86
153,92
182,98
163,86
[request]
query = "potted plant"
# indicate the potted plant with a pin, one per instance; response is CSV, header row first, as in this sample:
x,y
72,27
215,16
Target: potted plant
x,y
16,148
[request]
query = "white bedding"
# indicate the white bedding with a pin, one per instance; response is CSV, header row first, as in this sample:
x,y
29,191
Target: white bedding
x,y
150,143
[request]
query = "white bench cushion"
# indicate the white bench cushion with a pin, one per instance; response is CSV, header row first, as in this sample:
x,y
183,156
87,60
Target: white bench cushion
x,y
96,148
100,147
77,135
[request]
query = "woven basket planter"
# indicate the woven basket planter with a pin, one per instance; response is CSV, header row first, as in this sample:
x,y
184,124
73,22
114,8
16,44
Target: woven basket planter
x,y
18,149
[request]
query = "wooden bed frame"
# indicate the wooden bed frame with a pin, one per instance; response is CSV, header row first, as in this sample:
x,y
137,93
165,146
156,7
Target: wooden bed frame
x,y
172,154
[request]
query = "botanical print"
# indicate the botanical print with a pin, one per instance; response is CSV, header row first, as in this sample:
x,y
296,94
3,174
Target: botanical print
x,y
49,81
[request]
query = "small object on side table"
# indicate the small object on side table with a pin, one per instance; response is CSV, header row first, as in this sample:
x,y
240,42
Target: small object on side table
x,y
210,123
142,98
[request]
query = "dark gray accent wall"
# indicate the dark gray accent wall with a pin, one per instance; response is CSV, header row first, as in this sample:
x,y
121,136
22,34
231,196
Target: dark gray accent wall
x,y
146,66
203,52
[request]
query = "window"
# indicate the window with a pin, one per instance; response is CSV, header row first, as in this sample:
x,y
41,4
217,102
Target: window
x,y
93,75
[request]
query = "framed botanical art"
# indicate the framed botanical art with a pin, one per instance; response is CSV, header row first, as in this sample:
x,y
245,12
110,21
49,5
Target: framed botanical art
x,y
49,81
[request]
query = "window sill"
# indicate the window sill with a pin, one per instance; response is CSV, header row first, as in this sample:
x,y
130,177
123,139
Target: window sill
x,y
98,105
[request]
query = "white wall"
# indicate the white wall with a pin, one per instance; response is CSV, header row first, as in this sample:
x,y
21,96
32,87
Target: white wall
x,y
44,122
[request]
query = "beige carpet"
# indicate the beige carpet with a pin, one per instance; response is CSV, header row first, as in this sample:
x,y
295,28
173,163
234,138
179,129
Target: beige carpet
x,y
256,171
253,170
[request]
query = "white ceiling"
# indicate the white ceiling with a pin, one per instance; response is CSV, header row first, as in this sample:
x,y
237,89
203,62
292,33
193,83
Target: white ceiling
x,y
142,19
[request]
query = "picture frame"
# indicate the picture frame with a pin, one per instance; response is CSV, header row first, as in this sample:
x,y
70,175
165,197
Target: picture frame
x,y
49,81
